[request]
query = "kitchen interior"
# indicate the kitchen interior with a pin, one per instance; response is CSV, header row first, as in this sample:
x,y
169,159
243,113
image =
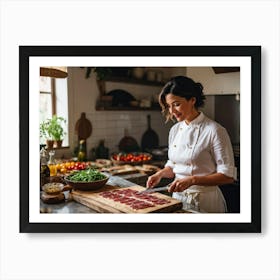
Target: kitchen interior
x,y
113,111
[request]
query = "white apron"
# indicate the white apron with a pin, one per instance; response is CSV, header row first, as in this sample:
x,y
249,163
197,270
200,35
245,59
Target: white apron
x,y
205,199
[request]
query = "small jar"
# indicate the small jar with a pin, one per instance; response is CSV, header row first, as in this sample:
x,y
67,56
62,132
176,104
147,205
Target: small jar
x,y
151,75
138,72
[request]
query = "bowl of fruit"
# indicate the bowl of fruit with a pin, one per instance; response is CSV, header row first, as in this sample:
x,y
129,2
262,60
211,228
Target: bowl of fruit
x,y
131,158
87,179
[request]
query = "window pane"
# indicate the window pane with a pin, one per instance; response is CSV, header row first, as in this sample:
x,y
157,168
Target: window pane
x,y
45,107
62,104
45,84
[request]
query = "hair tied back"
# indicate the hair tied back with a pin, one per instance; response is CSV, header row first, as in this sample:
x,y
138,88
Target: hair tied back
x,y
199,88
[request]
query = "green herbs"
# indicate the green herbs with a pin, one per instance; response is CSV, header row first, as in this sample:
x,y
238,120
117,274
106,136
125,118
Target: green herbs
x,y
53,129
87,175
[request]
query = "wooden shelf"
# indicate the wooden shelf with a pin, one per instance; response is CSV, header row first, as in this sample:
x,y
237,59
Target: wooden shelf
x,y
100,106
133,81
57,148
111,108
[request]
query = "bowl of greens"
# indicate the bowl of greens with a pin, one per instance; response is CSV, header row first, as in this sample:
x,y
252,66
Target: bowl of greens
x,y
88,179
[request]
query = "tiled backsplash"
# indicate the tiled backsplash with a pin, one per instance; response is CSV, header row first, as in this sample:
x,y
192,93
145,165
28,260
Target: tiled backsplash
x,y
111,126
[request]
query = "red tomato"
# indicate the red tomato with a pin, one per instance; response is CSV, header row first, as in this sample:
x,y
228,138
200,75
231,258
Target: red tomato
x,y
81,166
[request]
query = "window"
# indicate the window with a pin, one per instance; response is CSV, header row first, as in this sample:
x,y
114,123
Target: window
x,y
54,101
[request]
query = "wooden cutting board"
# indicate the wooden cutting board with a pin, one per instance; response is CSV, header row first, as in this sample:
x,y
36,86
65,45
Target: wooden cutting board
x,y
95,201
83,127
130,169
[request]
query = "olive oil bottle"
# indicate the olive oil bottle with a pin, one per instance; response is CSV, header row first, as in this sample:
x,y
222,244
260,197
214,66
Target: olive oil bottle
x,y
52,164
44,169
82,151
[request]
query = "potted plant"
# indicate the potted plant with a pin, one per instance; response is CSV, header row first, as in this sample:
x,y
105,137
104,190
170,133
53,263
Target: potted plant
x,y
45,134
52,130
56,130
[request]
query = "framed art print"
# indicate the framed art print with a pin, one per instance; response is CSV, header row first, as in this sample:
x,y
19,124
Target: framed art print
x,y
107,100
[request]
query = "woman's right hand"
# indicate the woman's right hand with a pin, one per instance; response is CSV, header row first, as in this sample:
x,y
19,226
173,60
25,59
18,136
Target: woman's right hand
x,y
153,180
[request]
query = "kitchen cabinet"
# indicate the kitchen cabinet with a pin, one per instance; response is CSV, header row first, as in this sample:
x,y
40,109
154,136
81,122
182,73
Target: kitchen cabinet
x,y
215,83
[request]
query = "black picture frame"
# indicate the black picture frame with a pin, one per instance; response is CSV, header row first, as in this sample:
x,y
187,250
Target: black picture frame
x,y
253,52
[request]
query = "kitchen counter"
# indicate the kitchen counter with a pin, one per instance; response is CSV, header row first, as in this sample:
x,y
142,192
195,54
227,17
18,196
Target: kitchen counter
x,y
70,206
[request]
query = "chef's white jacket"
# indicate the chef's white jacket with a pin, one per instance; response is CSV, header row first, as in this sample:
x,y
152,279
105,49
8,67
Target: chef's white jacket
x,y
199,148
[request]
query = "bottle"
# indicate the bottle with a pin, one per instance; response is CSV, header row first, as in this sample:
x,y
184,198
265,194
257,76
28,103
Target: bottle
x,y
52,164
102,151
82,151
93,154
44,169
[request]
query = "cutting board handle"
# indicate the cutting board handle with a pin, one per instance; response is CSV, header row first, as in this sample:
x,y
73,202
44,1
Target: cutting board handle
x,y
149,121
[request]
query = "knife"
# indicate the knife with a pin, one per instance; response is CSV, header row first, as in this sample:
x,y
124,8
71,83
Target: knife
x,y
157,189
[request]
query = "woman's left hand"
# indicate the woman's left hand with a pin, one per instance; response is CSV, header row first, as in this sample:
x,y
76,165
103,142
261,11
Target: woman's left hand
x,y
180,185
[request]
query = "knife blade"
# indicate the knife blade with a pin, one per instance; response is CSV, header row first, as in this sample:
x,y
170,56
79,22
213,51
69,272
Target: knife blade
x,y
157,189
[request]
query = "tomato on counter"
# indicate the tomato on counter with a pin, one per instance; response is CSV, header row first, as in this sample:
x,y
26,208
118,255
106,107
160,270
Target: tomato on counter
x,y
132,157
72,165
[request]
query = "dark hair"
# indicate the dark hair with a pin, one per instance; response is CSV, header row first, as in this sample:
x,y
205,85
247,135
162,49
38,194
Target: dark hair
x,y
184,87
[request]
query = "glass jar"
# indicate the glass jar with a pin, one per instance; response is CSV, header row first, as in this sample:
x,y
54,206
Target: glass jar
x,y
52,163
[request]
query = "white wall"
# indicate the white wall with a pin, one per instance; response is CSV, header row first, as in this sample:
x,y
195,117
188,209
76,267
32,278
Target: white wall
x,y
224,83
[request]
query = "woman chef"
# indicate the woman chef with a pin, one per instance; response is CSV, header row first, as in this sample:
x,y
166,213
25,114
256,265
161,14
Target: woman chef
x,y
200,155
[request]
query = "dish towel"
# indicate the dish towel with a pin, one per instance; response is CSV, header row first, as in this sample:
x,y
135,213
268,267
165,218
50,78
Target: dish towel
x,y
204,199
